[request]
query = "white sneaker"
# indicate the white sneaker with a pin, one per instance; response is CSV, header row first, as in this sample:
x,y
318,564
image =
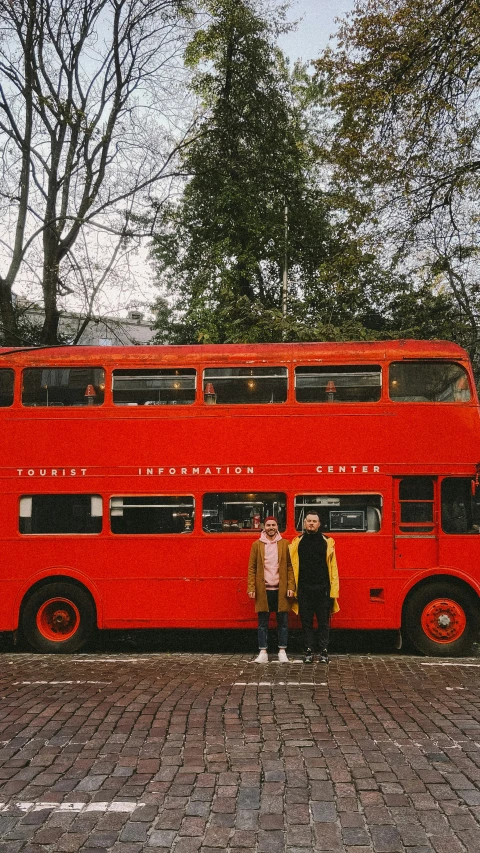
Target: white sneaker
x,y
262,656
282,656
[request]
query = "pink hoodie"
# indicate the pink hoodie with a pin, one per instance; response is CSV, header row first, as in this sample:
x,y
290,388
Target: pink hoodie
x,y
272,577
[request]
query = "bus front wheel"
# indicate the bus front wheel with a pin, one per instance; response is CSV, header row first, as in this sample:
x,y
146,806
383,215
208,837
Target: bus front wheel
x,y
442,619
59,618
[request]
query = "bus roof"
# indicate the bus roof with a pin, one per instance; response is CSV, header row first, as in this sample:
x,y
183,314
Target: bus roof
x,y
199,353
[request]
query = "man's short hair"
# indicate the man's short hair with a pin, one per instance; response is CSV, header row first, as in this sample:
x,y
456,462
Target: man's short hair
x,y
313,512
271,518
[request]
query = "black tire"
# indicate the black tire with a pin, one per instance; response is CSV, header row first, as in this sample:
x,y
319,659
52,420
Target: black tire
x,y
442,619
58,618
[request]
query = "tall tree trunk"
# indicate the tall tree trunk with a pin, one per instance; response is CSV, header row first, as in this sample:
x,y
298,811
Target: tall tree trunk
x,y
10,334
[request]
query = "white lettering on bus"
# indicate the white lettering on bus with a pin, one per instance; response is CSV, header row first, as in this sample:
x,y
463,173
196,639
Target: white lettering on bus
x,y
342,469
149,472
50,472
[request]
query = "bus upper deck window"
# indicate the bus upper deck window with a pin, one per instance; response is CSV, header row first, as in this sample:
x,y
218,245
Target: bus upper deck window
x,y
346,383
428,382
63,386
155,387
6,387
234,385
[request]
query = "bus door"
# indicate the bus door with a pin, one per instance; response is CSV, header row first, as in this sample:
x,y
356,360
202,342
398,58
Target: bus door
x,y
415,523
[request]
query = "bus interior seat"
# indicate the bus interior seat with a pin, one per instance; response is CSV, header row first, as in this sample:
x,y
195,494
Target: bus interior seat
x,y
374,519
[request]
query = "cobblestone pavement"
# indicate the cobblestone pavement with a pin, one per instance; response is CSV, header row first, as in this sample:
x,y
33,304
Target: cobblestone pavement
x,y
185,753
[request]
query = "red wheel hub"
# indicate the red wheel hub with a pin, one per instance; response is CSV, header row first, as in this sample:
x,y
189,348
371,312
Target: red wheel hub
x,y
443,620
58,619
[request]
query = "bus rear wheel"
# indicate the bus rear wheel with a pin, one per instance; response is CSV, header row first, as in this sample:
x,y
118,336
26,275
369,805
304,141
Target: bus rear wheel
x,y
59,618
442,619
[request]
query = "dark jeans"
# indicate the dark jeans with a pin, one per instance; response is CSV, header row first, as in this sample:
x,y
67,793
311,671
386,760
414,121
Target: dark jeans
x,y
282,622
315,601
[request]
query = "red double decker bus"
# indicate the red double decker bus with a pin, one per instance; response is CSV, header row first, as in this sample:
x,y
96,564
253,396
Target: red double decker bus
x,y
134,481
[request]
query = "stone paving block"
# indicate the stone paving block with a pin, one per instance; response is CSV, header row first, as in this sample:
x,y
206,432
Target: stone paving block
x,y
386,839
271,842
188,845
324,812
217,836
299,836
134,831
161,838
362,761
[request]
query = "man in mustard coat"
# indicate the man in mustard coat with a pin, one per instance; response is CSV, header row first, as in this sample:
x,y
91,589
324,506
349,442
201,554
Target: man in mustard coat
x,y
316,578
271,583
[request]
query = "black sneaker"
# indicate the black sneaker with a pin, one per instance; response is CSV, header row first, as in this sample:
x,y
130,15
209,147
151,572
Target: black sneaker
x,y
323,657
308,656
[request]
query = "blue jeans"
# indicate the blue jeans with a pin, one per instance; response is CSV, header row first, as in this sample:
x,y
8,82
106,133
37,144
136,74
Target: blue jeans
x,y
282,622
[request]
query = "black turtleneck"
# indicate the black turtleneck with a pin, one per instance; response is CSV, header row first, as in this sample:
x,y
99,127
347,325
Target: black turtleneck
x,y
312,555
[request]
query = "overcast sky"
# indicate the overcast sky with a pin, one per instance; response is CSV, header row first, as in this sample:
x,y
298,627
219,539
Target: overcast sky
x,y
315,28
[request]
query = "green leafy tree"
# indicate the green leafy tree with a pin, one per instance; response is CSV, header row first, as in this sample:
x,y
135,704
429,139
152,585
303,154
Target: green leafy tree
x,y
406,143
222,248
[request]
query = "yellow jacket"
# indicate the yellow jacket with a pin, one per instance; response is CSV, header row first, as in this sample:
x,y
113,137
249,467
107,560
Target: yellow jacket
x,y
332,570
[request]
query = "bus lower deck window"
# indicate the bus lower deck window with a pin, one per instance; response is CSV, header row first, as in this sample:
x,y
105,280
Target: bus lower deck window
x,y
152,387
136,514
341,513
460,509
240,512
416,498
346,383
63,386
60,514
428,382
233,385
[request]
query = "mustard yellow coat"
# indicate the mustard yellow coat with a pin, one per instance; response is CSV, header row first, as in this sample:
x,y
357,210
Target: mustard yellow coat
x,y
332,570
256,575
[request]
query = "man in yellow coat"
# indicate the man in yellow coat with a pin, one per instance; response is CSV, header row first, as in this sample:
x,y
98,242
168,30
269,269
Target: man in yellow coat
x,y
272,585
316,579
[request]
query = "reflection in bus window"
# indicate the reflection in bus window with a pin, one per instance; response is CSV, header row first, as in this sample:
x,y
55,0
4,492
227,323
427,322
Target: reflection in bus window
x,y
341,513
63,386
460,509
60,514
233,512
338,384
154,387
416,496
6,387
245,384
152,514
428,382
